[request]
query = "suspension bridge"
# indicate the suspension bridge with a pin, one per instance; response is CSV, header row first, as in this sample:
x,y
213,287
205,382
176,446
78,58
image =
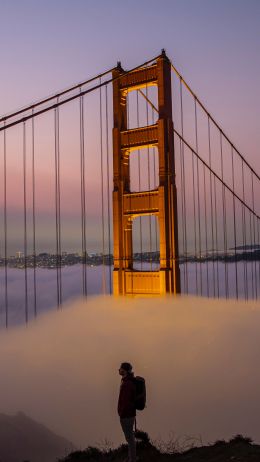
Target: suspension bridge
x,y
126,174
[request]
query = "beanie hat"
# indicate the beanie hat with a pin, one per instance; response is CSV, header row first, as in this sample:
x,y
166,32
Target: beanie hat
x,y
126,366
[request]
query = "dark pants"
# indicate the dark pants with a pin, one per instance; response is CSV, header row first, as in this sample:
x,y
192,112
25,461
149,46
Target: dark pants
x,y
127,425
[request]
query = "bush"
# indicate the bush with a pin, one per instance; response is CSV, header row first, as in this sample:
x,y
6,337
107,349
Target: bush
x,y
241,439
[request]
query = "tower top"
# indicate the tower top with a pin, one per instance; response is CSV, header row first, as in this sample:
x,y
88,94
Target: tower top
x,y
163,55
118,66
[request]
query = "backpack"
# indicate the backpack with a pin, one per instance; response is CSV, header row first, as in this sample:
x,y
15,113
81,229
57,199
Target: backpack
x,y
140,397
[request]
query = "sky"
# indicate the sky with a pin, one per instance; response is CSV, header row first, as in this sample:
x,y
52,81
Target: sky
x,y
48,46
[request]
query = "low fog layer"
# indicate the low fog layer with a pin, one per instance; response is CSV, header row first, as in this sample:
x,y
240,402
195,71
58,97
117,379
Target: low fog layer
x,y
200,358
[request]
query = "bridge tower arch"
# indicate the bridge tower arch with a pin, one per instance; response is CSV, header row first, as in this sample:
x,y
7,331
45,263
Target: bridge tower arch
x,y
161,202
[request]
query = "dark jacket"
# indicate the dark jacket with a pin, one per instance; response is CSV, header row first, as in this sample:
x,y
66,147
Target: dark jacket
x,y
126,400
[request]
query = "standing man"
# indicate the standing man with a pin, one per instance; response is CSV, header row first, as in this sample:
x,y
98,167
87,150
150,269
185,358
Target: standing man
x,y
126,408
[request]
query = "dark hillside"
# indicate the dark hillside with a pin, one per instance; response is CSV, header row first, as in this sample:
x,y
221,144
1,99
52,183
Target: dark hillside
x,y
22,438
238,449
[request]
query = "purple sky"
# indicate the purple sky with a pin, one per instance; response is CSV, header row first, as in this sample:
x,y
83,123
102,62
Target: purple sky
x,y
47,46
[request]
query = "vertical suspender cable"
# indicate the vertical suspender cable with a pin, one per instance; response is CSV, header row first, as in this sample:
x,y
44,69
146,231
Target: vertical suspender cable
x,y
149,182
243,230
206,227
182,220
154,186
234,220
129,185
211,212
5,236
139,180
102,190
254,234
195,222
25,224
57,207
243,239
244,235
59,213
184,196
198,191
83,196
224,219
216,234
251,254
33,220
258,250
199,224
108,198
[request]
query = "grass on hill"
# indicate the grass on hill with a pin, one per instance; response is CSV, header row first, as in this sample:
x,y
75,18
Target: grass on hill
x,y
238,449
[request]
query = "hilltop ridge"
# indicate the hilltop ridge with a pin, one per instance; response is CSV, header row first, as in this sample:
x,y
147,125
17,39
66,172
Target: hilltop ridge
x,y
238,449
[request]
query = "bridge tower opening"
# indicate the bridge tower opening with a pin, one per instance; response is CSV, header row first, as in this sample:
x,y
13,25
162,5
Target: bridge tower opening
x,y
162,201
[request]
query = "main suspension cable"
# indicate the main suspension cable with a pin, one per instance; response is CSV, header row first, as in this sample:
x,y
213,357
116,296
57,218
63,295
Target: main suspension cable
x,y
53,97
215,174
213,120
70,98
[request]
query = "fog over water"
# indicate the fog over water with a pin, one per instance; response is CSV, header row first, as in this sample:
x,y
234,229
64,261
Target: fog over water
x,y
199,356
42,293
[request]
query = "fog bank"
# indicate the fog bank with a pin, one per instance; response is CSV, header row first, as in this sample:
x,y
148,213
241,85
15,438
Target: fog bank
x,y
199,357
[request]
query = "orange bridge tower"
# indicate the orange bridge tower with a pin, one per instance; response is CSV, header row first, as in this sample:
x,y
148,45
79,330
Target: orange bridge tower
x,y
161,202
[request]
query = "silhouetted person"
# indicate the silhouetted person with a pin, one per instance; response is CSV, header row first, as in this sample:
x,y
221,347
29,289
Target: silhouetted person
x,y
126,408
